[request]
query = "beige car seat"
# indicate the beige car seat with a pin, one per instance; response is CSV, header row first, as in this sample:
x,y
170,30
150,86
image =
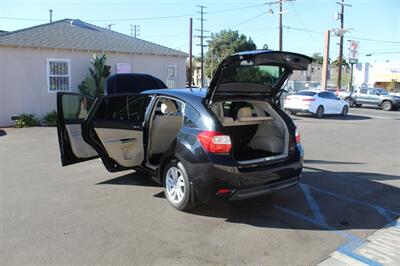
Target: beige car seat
x,y
165,127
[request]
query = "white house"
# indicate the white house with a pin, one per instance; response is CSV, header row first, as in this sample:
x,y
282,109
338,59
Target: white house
x,y
39,61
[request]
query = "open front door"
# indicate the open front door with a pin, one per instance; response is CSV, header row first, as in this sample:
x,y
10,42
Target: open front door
x,y
72,109
114,128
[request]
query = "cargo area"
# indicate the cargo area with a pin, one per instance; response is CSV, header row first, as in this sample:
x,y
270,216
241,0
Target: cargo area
x,y
257,132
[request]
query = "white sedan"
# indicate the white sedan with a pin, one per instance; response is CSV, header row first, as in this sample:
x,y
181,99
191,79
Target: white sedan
x,y
316,102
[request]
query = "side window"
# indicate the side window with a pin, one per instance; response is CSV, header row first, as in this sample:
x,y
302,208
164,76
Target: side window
x,y
322,95
331,95
122,108
191,117
363,91
76,106
168,107
372,92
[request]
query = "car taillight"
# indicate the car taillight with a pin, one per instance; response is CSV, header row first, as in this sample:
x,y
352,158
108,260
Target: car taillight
x,y
297,136
308,100
215,142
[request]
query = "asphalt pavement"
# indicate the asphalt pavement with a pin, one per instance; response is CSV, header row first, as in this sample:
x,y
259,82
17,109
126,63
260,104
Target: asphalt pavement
x,y
82,214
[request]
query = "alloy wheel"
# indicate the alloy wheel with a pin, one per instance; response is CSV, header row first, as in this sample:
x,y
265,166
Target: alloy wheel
x,y
175,185
387,106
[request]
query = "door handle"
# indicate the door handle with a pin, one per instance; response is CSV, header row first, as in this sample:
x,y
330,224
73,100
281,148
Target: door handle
x,y
128,140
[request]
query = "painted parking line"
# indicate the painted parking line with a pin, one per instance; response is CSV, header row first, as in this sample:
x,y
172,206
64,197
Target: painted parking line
x,y
382,248
377,250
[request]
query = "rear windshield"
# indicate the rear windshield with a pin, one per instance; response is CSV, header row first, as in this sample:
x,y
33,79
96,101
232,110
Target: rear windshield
x,y
263,75
306,93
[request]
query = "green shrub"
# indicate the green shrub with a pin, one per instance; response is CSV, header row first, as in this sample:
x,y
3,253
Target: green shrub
x,y
50,118
26,120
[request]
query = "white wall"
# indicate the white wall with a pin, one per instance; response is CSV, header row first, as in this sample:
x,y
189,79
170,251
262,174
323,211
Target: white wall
x,y
23,76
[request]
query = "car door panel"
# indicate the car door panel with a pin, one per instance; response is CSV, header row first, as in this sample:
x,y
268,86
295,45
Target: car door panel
x,y
123,146
72,109
115,129
79,147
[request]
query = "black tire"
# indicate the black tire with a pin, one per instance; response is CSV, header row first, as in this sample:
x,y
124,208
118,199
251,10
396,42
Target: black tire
x,y
293,113
345,110
387,106
320,111
186,202
350,102
357,105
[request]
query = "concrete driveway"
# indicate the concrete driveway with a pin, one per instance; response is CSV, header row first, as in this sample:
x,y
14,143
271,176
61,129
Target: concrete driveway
x,y
82,214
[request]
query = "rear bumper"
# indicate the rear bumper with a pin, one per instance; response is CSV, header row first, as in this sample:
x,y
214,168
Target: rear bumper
x,y
245,183
297,110
264,190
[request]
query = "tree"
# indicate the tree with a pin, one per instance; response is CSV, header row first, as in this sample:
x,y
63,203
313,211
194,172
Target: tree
x,y
223,44
317,58
336,62
93,84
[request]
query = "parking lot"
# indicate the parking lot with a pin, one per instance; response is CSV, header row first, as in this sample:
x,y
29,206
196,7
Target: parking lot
x,y
82,214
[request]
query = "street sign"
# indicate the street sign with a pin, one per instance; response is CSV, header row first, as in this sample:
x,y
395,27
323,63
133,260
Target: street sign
x,y
353,51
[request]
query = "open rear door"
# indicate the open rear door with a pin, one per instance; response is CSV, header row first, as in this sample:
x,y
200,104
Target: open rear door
x,y
72,109
114,128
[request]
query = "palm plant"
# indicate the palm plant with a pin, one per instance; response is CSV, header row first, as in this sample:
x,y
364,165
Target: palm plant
x,y
94,82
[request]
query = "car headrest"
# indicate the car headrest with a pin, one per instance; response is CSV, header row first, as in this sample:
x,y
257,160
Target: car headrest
x,y
168,107
244,112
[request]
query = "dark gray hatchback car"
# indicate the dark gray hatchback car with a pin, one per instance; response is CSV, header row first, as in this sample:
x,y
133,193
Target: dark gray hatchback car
x,y
231,139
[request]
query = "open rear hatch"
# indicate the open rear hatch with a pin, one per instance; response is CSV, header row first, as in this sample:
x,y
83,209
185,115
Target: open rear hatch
x,y
241,95
258,73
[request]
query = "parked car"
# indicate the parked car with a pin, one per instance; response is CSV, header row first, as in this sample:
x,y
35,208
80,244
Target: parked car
x,y
230,140
374,96
316,102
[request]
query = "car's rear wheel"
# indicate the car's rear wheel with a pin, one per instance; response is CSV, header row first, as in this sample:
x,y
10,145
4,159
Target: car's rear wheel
x,y
176,185
293,112
345,110
320,111
386,106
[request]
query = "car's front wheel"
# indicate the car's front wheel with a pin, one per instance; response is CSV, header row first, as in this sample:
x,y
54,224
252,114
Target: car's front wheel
x,y
176,185
386,106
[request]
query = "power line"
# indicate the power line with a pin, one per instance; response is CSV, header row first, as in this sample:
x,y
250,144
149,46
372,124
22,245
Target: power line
x,y
247,20
142,18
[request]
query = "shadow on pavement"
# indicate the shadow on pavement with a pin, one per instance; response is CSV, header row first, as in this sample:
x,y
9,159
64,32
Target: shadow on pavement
x,y
328,162
333,117
340,201
323,201
132,179
2,133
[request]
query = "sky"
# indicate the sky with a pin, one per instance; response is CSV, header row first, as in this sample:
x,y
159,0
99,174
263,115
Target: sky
x,y
374,23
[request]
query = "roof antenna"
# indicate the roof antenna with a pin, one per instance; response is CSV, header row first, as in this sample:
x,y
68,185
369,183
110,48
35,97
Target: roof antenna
x,y
51,15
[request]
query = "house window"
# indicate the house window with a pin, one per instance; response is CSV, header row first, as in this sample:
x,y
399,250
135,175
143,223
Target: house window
x,y
58,74
170,71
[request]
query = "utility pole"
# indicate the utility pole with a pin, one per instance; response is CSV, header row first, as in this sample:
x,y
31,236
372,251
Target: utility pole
x,y
135,30
325,63
341,33
280,25
51,15
280,13
202,45
190,51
